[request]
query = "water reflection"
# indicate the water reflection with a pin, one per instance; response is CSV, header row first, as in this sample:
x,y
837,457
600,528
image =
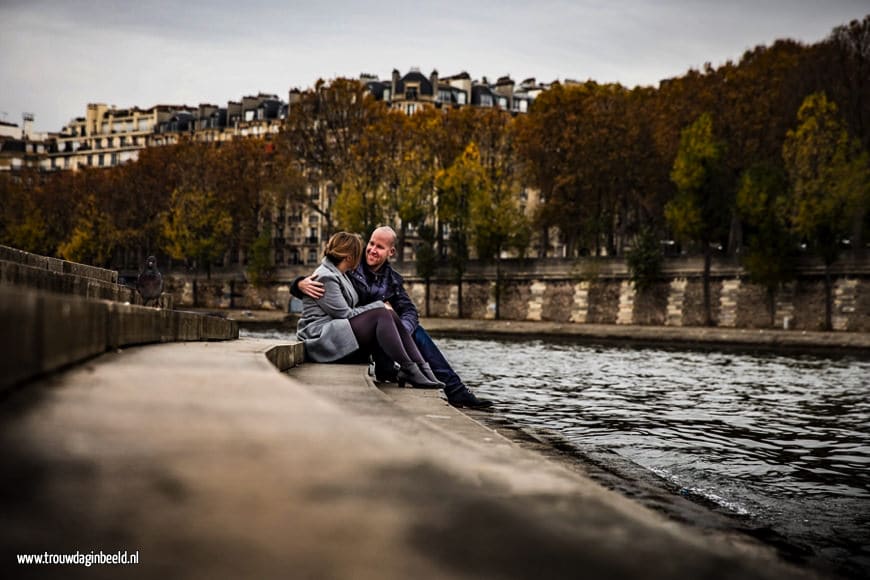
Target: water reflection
x,y
785,439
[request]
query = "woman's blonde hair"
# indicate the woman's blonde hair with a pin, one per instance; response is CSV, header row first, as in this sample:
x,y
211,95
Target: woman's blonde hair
x,y
344,245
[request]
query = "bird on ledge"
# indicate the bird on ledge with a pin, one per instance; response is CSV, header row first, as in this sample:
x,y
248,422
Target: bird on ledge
x,y
150,282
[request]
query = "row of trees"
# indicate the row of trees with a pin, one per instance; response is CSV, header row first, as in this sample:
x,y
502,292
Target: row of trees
x,y
191,202
758,157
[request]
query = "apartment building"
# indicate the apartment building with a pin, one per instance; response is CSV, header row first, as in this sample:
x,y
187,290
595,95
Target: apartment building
x,y
20,147
107,136
413,91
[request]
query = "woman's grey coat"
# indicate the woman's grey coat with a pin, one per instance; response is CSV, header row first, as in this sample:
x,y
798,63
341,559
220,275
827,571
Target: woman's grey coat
x,y
324,327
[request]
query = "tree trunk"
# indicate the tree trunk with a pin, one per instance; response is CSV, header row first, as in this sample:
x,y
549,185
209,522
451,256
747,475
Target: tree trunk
x,y
829,298
708,258
497,288
400,244
428,285
459,295
771,305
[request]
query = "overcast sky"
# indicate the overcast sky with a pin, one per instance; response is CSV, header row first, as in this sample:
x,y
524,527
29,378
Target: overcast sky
x,y
56,56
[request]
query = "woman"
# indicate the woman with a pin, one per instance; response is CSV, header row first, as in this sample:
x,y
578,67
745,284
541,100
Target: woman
x,y
332,327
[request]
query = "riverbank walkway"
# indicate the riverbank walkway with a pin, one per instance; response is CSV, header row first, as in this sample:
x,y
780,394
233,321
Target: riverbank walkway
x,y
208,462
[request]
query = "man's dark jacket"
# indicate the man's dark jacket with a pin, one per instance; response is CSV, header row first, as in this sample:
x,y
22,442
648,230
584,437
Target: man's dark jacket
x,y
386,285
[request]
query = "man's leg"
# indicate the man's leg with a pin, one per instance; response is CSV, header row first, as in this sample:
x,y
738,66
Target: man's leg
x,y
442,369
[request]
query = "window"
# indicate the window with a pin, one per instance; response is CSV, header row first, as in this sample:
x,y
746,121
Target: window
x,y
312,256
411,93
444,96
503,102
485,100
461,98
387,94
410,108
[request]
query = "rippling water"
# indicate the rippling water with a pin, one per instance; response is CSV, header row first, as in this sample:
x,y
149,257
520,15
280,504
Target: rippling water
x,y
782,440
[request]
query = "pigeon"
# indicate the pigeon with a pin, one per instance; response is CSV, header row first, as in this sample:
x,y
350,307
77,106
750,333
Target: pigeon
x,y
150,281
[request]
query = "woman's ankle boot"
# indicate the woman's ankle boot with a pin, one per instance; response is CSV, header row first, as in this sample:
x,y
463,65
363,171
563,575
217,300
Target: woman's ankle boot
x,y
427,372
410,373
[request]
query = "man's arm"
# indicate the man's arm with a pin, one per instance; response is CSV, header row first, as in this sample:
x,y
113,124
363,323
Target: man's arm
x,y
405,308
334,303
304,286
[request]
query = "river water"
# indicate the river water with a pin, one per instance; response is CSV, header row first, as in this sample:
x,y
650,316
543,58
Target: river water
x,y
779,442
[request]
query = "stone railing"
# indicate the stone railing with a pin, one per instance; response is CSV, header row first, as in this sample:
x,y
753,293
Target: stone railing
x,y
54,313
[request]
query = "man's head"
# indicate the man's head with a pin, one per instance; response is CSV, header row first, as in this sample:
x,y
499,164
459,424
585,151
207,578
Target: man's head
x,y
381,247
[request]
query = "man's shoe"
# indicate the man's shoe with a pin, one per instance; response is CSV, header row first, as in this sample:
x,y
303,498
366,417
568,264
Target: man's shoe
x,y
465,398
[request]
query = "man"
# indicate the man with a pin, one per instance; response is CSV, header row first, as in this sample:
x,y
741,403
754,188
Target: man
x,y
374,279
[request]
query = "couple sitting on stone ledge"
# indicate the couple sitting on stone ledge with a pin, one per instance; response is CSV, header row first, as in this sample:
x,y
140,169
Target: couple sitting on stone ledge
x,y
353,306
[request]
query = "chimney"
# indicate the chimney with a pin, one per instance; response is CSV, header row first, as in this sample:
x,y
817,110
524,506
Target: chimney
x,y
395,82
27,130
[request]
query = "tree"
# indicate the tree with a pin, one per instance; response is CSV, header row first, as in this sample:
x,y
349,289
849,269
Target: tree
x,y
260,268
324,125
197,226
769,257
700,211
22,219
645,259
457,185
829,175
427,258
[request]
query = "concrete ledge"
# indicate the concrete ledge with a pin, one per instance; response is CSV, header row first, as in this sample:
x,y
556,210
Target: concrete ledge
x,y
286,356
56,265
43,332
70,282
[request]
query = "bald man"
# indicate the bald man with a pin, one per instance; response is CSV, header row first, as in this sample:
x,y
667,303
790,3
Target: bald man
x,y
374,279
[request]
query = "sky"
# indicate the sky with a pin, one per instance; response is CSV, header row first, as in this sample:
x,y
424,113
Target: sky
x,y
56,56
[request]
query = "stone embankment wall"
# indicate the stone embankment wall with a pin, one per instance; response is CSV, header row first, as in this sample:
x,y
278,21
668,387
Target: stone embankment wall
x,y
596,292
679,302
54,313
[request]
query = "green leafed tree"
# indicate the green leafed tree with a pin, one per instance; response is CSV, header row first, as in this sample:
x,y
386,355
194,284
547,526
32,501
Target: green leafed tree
x,y
829,177
769,256
261,267
197,227
94,234
464,180
701,210
645,259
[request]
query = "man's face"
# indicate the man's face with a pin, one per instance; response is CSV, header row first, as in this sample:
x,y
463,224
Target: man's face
x,y
379,250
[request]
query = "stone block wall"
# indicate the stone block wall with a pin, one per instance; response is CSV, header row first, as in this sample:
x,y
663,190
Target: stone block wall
x,y
651,305
603,301
515,299
476,297
753,310
693,305
558,303
601,294
809,304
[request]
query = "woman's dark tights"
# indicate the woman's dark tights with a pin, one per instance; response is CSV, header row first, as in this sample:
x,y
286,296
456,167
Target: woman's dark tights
x,y
382,327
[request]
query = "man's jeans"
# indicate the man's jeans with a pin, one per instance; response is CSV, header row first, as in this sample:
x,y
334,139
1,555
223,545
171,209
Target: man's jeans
x,y
431,354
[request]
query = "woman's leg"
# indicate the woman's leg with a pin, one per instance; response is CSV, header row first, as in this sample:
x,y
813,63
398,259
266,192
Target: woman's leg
x,y
378,326
407,339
